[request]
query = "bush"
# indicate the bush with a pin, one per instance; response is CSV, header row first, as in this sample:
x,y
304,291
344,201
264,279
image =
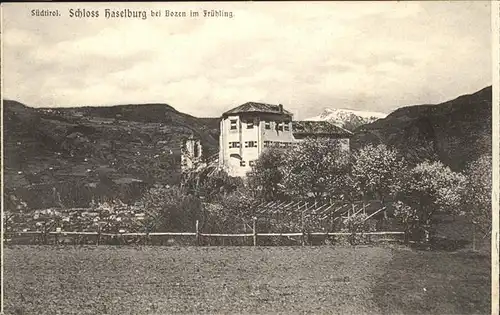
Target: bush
x,y
265,177
171,209
315,168
357,225
430,187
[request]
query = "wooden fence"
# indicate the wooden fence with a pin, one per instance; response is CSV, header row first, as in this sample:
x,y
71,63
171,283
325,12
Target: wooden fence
x,y
281,222
44,236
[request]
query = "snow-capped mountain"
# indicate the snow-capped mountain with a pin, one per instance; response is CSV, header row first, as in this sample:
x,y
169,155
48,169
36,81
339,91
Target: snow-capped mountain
x,y
347,118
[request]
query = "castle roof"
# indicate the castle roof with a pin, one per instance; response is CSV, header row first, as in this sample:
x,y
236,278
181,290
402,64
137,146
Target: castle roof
x,y
254,107
318,128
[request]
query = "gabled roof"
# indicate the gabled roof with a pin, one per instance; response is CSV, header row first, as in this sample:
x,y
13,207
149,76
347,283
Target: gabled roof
x,y
318,128
254,107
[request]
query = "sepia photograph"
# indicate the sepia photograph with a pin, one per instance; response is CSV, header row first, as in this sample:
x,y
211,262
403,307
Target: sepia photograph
x,y
327,157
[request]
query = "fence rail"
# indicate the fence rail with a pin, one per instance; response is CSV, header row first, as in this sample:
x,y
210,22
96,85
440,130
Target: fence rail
x,y
302,222
198,234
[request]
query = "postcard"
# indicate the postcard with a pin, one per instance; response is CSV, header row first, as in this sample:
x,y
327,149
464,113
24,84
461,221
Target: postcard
x,y
324,157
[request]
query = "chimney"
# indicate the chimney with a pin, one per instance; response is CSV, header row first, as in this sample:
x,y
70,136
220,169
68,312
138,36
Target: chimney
x,y
281,108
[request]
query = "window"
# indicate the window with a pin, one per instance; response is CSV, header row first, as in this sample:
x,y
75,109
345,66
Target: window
x,y
234,145
251,163
280,126
250,125
268,125
233,124
282,144
287,126
250,144
267,144
242,163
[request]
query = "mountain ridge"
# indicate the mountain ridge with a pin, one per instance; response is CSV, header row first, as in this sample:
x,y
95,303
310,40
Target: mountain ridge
x,y
455,131
69,156
347,118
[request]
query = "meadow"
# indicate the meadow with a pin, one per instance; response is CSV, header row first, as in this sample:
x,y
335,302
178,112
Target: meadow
x,y
242,280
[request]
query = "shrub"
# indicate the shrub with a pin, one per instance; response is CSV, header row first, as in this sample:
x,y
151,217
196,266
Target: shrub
x,y
171,209
357,225
430,187
315,167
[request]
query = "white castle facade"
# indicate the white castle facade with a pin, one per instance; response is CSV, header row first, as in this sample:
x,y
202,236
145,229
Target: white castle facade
x,y
247,130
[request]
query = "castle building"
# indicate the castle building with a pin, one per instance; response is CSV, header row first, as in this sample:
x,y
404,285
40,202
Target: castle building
x,y
247,130
191,154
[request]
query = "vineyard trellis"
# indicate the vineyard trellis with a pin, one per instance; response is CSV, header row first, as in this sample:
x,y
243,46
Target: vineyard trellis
x,y
294,221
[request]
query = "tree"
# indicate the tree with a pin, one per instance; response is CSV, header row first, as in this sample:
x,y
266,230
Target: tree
x,y
210,185
478,194
428,188
170,209
265,177
408,217
377,171
315,167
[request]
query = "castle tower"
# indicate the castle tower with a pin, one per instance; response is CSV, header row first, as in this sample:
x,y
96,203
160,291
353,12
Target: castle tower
x,y
191,154
247,130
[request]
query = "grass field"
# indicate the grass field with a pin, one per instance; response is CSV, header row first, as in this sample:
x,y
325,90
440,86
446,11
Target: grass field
x,y
239,280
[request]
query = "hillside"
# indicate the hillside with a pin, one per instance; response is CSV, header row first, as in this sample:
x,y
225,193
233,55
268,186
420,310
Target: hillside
x,y
455,132
67,156
347,118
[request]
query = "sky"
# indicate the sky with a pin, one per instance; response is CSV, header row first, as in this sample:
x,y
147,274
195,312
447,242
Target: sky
x,y
373,56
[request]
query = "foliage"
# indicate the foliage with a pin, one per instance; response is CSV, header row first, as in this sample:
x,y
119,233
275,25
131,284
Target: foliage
x,y
407,216
14,212
377,171
232,213
115,217
428,188
356,224
315,167
478,193
171,209
265,177
210,186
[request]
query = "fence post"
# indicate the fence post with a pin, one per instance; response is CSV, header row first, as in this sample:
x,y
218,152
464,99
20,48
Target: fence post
x,y
197,233
98,240
45,238
303,230
254,231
